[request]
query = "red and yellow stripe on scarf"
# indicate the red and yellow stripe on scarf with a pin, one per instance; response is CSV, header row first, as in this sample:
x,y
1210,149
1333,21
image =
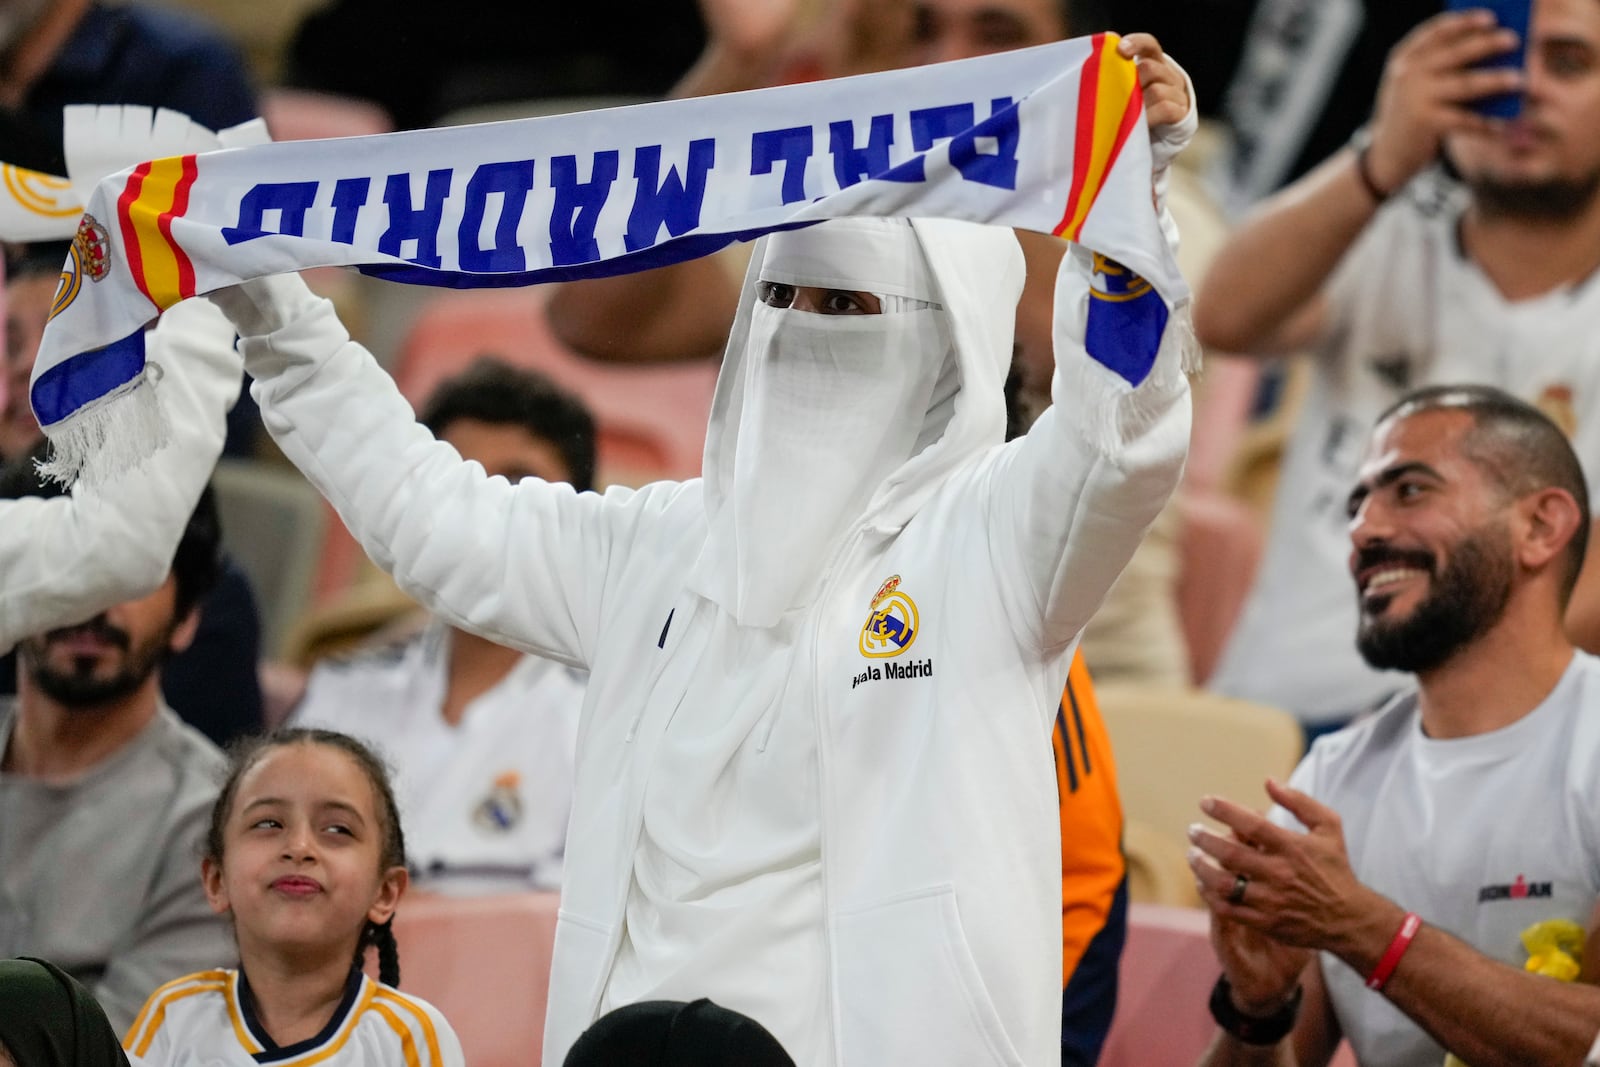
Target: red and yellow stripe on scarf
x,y
1109,102
157,192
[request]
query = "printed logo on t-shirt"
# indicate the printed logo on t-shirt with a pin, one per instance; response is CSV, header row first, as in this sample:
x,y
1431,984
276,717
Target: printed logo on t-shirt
x,y
501,810
1521,889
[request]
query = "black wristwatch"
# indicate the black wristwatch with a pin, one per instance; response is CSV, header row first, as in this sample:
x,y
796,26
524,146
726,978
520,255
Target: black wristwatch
x,y
1252,1029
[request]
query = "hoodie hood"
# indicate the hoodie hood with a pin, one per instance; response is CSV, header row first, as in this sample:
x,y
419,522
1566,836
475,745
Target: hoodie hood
x,y
974,274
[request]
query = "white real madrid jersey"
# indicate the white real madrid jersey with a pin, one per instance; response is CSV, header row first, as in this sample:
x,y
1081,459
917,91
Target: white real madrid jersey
x,y
1407,308
206,1020
484,802
1481,836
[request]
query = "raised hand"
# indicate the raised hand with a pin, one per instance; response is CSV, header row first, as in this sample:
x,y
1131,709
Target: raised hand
x,y
1428,86
1166,90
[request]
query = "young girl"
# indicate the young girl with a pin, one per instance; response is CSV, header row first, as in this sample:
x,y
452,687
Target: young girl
x,y
306,855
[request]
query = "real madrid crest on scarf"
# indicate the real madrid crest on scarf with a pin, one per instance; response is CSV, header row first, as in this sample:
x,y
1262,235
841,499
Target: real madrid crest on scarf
x,y
892,622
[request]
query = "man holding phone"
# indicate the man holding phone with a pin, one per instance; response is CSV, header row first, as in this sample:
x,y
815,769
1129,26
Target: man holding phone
x,y
1443,245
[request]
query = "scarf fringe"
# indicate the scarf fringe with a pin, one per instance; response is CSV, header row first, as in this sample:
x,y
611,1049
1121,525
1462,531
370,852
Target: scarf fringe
x,y
110,437
1123,413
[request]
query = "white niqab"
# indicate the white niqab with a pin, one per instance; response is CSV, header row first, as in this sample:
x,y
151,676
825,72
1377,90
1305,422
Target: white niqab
x,y
827,407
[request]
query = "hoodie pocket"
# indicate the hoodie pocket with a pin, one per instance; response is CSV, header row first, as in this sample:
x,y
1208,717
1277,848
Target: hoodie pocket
x,y
579,964
909,988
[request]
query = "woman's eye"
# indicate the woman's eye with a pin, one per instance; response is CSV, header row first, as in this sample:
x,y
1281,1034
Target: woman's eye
x,y
775,294
265,824
841,303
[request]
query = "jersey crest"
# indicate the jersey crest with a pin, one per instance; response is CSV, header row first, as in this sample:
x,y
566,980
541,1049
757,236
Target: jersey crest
x,y
892,622
501,810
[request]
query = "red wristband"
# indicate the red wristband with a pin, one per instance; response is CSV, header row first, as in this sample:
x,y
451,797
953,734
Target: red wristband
x,y
1397,948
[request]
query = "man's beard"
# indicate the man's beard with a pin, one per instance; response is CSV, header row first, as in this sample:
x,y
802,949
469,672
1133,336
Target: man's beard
x,y
77,686
1465,600
1548,200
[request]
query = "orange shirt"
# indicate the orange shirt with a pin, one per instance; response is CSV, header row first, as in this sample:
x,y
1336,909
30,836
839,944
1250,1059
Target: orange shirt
x,y
1093,870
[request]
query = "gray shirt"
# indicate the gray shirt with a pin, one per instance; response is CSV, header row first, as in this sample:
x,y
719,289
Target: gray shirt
x,y
101,875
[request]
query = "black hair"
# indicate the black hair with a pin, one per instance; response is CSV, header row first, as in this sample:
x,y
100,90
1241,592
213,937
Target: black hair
x,y
670,1033
493,391
197,563
1517,445
1081,18
249,751
39,259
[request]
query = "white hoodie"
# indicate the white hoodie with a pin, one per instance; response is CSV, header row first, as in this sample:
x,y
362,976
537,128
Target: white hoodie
x,y
939,847
64,559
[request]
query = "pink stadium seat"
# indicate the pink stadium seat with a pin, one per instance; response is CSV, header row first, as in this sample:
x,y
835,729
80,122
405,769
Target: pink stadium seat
x,y
301,115
652,419
485,963
1167,973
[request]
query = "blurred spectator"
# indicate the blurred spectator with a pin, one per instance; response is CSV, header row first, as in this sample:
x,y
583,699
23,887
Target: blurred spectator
x,y
1393,276
30,287
47,1019
223,656
482,737
105,793
664,1033
1466,802
1306,80
421,63
59,52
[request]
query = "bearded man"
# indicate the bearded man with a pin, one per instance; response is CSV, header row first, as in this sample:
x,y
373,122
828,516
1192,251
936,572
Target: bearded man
x,y
104,793
1433,851
1394,275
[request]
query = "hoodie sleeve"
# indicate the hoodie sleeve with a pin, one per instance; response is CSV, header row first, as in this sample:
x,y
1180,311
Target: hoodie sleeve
x,y
64,559
523,565
1075,495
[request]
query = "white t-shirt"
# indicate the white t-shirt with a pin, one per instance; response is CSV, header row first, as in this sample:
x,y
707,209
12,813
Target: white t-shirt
x,y
206,1020
484,803
1406,309
1480,836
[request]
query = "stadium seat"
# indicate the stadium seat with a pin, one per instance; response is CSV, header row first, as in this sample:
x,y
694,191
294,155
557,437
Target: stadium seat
x,y
274,523
1165,980
1174,746
1158,868
485,963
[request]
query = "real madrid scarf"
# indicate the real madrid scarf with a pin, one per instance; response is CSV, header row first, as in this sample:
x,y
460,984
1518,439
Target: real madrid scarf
x,y
1050,139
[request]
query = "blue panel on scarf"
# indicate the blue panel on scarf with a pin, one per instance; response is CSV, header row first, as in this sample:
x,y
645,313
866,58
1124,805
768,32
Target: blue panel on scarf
x,y
1126,320
87,377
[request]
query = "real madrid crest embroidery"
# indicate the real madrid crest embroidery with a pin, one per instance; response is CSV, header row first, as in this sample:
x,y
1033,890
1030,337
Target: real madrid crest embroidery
x,y
91,255
891,623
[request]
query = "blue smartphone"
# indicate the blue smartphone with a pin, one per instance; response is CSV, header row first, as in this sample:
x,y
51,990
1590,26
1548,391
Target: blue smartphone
x,y
1512,15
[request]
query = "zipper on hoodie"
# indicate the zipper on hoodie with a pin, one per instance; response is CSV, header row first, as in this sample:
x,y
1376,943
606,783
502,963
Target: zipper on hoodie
x,y
829,581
